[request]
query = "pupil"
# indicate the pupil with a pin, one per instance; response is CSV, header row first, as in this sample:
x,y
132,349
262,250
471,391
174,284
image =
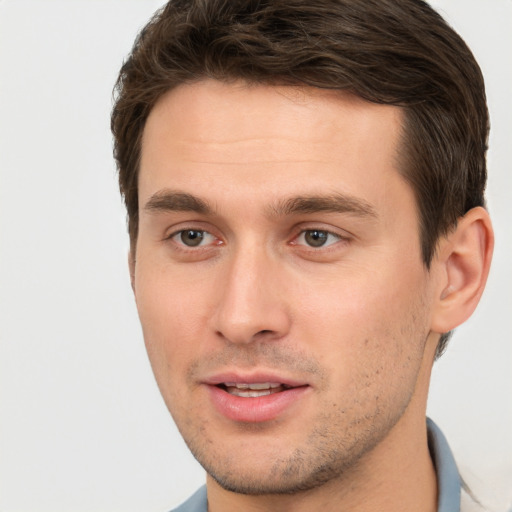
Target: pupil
x,y
316,238
192,237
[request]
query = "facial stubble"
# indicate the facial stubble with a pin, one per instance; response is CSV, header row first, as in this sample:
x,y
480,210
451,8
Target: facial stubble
x,y
334,449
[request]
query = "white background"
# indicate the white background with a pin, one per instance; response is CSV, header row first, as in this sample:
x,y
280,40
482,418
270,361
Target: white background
x,y
82,425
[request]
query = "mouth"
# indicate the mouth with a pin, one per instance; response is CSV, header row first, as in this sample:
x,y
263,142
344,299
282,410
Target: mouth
x,y
256,398
253,390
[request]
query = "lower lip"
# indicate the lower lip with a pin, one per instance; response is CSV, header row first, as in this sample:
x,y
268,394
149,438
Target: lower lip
x,y
255,409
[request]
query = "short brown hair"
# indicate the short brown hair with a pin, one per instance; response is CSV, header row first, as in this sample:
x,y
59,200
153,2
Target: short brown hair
x,y
396,52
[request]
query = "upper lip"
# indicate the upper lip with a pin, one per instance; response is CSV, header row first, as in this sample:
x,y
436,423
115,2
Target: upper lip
x,y
252,378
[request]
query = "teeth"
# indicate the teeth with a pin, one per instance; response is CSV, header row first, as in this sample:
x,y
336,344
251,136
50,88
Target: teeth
x,y
259,385
248,393
253,390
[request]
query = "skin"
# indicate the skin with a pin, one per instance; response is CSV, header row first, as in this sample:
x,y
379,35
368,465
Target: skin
x,y
355,321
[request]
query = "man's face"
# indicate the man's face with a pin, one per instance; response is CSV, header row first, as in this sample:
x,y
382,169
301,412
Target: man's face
x,y
279,282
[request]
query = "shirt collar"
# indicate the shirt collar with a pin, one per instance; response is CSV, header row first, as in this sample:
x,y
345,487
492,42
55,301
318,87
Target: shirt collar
x,y
448,478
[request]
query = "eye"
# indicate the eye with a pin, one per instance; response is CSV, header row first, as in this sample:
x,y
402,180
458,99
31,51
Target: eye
x,y
193,237
317,238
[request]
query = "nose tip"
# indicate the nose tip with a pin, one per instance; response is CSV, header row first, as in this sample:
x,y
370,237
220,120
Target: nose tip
x,y
251,320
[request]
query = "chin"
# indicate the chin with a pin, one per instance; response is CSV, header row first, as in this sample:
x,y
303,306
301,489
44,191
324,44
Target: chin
x,y
285,481
300,471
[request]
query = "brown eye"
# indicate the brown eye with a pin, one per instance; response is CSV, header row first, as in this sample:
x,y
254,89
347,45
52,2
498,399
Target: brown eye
x,y
316,237
191,237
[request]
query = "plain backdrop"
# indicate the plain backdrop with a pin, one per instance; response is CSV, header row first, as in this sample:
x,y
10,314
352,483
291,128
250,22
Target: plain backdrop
x,y
82,424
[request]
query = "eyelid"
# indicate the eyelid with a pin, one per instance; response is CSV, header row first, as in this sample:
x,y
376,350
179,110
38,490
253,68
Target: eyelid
x,y
337,238
173,231
341,234
203,242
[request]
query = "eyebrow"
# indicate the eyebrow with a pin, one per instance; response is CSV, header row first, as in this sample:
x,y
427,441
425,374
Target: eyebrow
x,y
334,203
175,201
168,200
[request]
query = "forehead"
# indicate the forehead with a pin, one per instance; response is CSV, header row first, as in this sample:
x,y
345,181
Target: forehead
x,y
232,112
257,138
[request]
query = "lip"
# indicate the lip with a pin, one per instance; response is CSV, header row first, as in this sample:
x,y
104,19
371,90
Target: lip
x,y
252,378
254,409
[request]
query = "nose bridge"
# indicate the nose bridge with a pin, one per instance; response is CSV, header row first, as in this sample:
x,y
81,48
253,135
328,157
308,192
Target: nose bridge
x,y
251,304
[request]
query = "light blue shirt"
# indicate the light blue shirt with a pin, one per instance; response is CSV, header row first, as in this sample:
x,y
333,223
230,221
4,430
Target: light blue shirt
x,y
448,480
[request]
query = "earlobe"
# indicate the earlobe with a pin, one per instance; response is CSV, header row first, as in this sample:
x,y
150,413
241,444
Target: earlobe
x,y
465,258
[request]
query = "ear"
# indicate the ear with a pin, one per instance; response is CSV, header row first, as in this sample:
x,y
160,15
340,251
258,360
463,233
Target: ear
x,y
463,258
131,267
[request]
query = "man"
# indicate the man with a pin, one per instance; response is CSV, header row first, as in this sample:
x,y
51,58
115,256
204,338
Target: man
x,y
304,184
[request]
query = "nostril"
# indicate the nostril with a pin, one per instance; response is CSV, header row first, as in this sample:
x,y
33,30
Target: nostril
x,y
265,334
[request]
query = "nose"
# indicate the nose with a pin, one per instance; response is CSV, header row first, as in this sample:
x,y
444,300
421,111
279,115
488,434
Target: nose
x,y
252,305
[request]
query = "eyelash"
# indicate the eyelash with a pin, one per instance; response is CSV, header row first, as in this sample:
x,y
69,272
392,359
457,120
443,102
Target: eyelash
x,y
319,233
182,245
204,234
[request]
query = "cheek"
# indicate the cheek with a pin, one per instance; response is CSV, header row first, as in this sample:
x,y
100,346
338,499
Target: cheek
x,y
369,324
355,301
171,320
172,329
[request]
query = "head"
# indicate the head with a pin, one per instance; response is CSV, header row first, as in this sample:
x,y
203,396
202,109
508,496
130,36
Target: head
x,y
325,82
385,51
